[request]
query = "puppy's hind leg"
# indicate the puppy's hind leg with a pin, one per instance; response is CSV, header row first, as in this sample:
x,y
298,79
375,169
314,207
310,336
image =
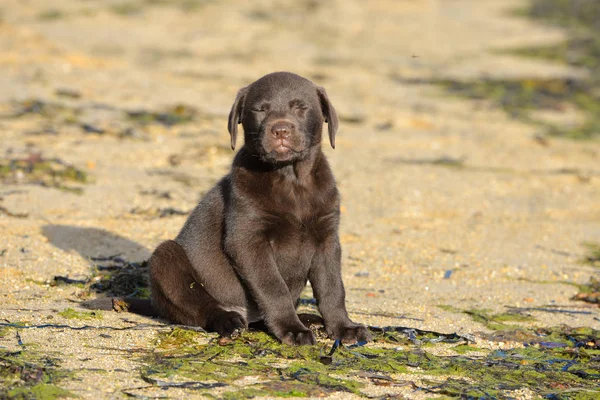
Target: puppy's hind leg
x,y
179,297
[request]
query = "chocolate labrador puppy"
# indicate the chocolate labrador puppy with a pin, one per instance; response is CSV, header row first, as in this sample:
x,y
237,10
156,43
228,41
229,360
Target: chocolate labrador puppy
x,y
269,226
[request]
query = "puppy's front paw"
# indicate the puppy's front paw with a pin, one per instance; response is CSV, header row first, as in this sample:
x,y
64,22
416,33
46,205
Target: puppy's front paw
x,y
298,337
226,323
351,333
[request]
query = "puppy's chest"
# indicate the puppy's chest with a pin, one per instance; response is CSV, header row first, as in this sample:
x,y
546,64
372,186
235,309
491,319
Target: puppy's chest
x,y
300,219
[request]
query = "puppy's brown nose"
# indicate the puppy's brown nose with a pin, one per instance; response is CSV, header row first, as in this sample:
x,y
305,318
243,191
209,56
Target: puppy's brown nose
x,y
282,129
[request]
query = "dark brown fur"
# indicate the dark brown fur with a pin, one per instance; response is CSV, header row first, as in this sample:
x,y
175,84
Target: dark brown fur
x,y
248,249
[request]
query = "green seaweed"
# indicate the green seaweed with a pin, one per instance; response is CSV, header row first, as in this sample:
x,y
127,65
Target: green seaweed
x,y
41,391
491,321
464,348
449,308
581,49
51,15
177,338
497,321
184,5
520,97
127,8
177,114
73,314
555,362
37,170
578,51
278,389
582,14
29,375
122,123
593,254
132,8
56,112
252,354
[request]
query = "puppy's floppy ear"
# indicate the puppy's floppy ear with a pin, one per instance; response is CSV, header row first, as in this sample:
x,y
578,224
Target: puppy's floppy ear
x,y
329,114
235,115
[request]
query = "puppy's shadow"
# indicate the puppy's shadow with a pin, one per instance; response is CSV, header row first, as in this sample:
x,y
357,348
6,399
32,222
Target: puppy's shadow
x,y
94,242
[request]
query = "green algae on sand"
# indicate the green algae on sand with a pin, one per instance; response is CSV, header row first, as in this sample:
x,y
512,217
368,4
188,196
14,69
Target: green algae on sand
x,y
37,170
520,98
559,363
26,374
70,313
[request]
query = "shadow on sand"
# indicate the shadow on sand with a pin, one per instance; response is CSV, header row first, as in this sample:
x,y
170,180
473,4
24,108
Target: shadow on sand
x,y
119,264
94,242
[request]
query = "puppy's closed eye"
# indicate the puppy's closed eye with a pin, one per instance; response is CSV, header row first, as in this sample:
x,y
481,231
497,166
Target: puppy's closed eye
x,y
298,105
261,108
298,108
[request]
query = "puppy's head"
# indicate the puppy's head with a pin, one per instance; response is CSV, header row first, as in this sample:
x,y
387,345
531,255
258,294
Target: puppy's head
x,y
282,115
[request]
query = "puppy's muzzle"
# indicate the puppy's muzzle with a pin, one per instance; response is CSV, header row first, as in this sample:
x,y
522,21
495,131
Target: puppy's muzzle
x,y
282,130
283,139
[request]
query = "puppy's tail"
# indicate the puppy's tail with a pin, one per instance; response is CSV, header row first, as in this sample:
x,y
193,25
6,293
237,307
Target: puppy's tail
x,y
122,304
